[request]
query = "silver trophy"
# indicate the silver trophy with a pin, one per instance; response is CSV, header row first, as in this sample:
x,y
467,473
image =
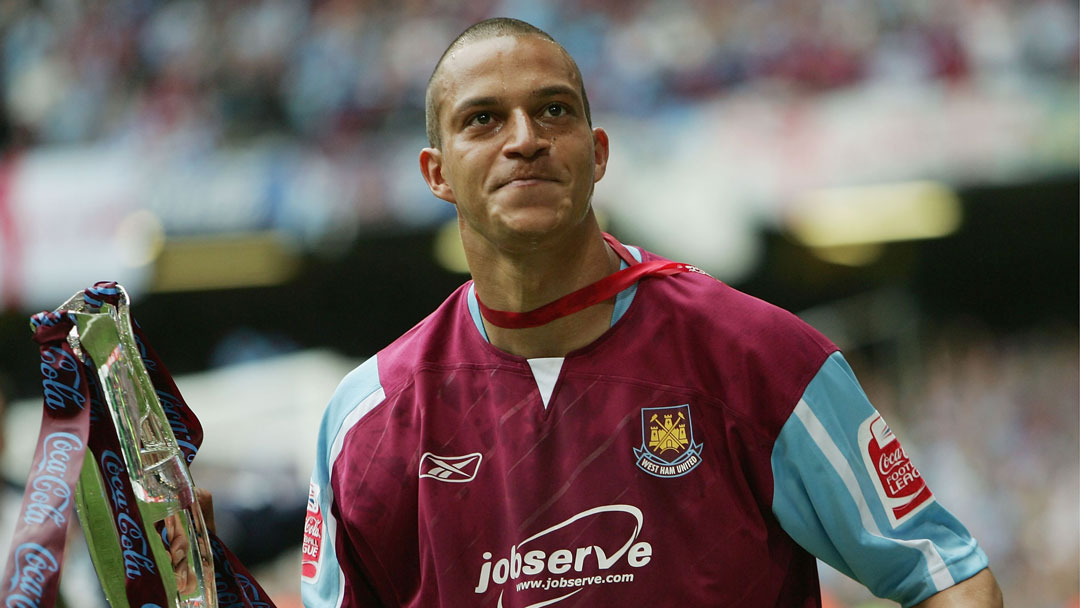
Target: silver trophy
x,y
163,488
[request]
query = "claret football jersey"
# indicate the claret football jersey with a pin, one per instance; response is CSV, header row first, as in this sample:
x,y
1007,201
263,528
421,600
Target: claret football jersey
x,y
701,452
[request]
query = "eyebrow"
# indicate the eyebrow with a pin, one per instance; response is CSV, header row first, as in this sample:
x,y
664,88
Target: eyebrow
x,y
554,90
474,102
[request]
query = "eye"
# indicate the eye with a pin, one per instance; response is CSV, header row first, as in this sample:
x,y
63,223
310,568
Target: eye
x,y
554,110
480,118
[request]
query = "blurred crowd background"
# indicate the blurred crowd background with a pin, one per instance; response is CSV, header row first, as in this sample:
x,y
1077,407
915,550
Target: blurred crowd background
x,y
247,168
329,71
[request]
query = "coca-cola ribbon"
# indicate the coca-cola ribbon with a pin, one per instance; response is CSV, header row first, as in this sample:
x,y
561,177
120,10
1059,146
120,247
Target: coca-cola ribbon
x,y
74,422
32,575
590,295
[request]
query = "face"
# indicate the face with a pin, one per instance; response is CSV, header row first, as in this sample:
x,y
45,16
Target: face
x,y
518,157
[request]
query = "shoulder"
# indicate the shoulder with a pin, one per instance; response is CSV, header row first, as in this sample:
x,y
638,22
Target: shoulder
x,y
728,318
432,341
761,356
388,372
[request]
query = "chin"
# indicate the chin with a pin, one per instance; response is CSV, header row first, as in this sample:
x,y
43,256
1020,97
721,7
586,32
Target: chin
x,y
525,224
532,218
531,233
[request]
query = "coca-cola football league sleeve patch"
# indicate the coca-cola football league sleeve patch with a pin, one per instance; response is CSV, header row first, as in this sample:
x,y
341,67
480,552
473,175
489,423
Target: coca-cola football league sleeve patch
x,y
322,581
899,485
846,491
314,532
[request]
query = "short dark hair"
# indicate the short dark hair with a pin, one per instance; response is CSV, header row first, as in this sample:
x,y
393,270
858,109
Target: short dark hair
x,y
488,28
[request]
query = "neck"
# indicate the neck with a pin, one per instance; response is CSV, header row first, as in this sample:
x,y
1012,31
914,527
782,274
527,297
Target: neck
x,y
524,280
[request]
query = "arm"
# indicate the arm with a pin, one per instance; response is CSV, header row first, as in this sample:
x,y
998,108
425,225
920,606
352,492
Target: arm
x,y
979,591
331,574
845,490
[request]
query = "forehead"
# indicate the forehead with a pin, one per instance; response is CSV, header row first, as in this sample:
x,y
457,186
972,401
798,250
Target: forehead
x,y
501,66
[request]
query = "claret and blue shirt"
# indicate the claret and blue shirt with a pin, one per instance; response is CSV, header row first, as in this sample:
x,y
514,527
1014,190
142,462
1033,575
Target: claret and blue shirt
x,y
702,452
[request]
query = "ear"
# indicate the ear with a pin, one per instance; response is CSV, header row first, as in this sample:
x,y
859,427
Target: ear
x,y
431,167
600,153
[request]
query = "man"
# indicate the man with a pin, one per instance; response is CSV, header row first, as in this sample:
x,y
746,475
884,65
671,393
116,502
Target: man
x,y
654,439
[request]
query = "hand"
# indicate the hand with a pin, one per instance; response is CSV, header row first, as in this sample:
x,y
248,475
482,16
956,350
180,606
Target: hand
x,y
179,554
206,505
180,544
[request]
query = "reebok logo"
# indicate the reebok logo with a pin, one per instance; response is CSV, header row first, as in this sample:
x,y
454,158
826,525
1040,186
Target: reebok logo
x,y
451,469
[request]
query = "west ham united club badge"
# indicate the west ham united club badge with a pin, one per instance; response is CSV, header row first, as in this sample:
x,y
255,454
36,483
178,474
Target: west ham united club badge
x,y
667,442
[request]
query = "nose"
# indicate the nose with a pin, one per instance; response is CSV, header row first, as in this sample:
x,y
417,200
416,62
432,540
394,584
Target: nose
x,y
524,138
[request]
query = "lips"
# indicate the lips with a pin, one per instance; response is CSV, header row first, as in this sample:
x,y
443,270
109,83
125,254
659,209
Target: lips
x,y
526,179
529,182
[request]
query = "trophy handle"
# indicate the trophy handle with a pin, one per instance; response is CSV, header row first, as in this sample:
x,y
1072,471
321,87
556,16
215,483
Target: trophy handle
x,y
162,486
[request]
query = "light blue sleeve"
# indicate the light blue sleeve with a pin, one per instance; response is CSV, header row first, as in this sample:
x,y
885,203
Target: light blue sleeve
x,y
846,492
322,582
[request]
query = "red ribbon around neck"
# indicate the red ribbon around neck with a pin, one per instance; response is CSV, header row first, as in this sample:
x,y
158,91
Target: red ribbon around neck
x,y
587,296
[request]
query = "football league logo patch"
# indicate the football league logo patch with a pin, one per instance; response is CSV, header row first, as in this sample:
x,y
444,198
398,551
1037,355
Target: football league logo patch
x,y
667,442
313,537
898,483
